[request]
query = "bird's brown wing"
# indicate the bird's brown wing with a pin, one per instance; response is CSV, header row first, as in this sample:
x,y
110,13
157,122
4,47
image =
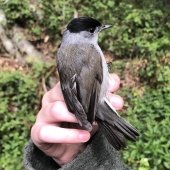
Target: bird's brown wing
x,y
81,75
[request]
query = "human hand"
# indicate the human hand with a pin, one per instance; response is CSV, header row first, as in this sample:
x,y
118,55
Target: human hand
x,y
63,143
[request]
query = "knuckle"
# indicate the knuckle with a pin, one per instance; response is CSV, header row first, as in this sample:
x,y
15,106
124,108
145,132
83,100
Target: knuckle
x,y
58,109
45,99
41,134
36,133
55,107
55,110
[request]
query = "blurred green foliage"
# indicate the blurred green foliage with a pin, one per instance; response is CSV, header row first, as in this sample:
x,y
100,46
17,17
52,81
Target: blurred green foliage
x,y
148,106
20,94
17,11
140,31
152,118
140,28
18,100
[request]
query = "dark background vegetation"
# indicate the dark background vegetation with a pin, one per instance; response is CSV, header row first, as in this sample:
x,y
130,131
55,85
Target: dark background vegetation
x,y
137,48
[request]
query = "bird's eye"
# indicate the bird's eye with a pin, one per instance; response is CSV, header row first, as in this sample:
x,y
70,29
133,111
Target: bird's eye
x,y
91,30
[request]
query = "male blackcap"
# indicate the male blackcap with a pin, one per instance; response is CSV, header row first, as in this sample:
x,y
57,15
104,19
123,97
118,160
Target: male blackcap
x,y
84,80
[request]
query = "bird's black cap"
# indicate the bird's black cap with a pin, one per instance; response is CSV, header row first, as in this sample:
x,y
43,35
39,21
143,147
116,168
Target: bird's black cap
x,y
82,24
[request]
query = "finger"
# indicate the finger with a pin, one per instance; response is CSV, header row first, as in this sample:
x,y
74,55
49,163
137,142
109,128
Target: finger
x,y
55,94
56,112
116,101
54,134
114,82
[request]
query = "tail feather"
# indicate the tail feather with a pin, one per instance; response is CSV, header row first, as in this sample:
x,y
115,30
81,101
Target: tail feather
x,y
115,128
129,126
111,136
123,126
114,137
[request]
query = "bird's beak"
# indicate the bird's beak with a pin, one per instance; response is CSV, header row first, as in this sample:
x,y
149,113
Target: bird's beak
x,y
103,27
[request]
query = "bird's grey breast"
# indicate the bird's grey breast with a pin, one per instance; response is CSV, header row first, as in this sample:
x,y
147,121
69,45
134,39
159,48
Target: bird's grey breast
x,y
77,55
76,58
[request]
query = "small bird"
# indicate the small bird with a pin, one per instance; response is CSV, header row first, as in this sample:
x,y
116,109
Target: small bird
x,y
84,82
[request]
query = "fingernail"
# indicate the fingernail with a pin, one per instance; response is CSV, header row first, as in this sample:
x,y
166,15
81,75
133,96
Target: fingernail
x,y
112,81
115,77
113,84
117,102
84,136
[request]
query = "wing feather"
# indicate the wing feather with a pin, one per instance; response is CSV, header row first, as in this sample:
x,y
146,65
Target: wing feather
x,y
81,75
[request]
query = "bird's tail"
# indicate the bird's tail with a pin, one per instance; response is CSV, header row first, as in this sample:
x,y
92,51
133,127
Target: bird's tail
x,y
115,128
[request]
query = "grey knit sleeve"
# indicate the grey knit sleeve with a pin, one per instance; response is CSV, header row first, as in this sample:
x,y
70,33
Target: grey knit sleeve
x,y
98,155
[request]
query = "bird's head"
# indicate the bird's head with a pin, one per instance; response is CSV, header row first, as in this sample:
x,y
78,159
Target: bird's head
x,y
86,28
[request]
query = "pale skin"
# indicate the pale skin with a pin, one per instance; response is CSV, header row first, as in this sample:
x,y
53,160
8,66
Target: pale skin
x,y
61,143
